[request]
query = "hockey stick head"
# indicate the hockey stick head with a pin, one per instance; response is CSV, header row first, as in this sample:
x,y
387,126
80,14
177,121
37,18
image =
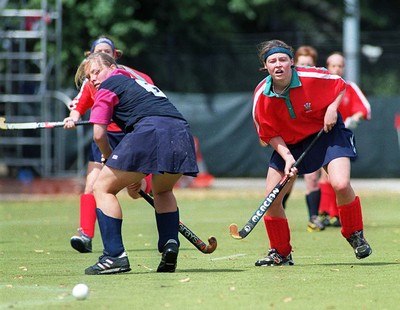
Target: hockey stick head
x,y
234,231
3,123
212,245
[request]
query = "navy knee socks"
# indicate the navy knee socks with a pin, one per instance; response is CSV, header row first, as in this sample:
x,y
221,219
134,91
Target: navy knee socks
x,y
110,229
313,200
168,228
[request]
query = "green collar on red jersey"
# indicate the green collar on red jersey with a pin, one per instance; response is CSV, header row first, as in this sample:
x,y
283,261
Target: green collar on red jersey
x,y
294,82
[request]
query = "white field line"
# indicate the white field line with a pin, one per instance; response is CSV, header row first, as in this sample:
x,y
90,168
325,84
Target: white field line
x,y
228,257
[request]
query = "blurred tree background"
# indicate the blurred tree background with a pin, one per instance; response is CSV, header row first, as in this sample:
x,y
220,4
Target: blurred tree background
x,y
203,54
210,46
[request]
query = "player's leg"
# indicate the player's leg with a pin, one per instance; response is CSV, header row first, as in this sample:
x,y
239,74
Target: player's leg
x,y
109,216
328,206
289,191
144,185
87,212
349,206
313,195
167,218
277,227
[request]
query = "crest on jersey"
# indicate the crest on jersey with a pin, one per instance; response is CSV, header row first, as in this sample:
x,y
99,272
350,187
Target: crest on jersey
x,y
307,107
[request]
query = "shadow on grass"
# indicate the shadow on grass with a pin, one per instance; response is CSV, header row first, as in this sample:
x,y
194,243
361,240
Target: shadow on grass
x,y
178,271
362,264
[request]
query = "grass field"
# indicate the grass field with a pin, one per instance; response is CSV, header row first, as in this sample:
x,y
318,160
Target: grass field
x,y
38,268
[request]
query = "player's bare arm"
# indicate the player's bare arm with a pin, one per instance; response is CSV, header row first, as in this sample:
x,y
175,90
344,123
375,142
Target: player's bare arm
x,y
101,139
280,146
69,122
330,118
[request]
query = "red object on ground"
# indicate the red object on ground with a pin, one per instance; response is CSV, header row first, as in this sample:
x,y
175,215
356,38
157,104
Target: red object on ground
x,y
397,121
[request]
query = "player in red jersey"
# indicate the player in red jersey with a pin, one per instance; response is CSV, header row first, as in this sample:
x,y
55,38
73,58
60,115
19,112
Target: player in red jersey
x,y
306,56
79,106
353,108
290,106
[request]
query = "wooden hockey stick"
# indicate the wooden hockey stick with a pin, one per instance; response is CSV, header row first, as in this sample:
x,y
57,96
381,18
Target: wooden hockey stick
x,y
258,214
34,125
187,233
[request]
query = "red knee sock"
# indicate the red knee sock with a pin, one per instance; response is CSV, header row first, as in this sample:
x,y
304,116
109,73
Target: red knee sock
x,y
147,179
351,218
88,214
278,234
328,199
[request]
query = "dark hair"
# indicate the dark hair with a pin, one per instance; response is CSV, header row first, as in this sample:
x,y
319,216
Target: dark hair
x,y
104,39
306,50
265,47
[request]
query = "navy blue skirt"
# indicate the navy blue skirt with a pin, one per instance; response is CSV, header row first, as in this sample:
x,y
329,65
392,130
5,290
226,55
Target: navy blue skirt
x,y
339,142
113,137
156,145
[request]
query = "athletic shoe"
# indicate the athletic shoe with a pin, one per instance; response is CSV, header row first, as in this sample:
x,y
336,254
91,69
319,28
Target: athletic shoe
x,y
169,257
324,219
82,243
359,244
275,259
335,222
315,224
110,265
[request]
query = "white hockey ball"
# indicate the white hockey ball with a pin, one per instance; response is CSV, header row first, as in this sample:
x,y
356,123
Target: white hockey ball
x,y
80,291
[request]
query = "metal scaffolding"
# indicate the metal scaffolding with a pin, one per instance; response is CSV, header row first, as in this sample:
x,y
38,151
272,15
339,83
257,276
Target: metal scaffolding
x,y
30,77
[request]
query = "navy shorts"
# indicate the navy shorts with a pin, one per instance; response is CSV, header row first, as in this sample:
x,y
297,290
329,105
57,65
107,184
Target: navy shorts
x,y
339,142
156,145
113,137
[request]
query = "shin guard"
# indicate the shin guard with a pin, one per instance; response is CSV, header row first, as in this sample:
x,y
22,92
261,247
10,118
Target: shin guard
x,y
278,234
351,218
328,198
168,228
87,214
110,229
313,200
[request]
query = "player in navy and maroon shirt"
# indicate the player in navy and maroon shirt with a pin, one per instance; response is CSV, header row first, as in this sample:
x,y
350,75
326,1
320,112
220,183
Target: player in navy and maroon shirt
x,y
157,141
82,242
290,106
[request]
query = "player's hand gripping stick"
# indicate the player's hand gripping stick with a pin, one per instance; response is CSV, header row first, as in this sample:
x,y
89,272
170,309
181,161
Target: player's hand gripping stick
x,y
34,125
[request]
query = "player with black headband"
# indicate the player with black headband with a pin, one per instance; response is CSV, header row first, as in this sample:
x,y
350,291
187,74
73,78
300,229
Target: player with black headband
x,y
290,107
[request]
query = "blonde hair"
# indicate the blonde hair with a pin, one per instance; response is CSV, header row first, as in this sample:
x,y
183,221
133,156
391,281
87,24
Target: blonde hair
x,y
80,75
118,53
82,71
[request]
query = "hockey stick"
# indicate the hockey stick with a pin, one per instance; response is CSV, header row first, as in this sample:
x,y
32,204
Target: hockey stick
x,y
255,218
34,125
187,233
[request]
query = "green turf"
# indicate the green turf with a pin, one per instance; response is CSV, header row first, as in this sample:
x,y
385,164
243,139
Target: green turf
x,y
38,268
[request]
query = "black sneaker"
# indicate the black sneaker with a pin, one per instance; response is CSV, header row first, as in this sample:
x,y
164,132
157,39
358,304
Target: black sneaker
x,y
110,265
335,222
314,224
169,257
324,219
82,243
359,244
273,258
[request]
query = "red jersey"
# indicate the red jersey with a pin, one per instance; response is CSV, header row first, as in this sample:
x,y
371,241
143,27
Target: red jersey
x,y
85,98
299,112
354,101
